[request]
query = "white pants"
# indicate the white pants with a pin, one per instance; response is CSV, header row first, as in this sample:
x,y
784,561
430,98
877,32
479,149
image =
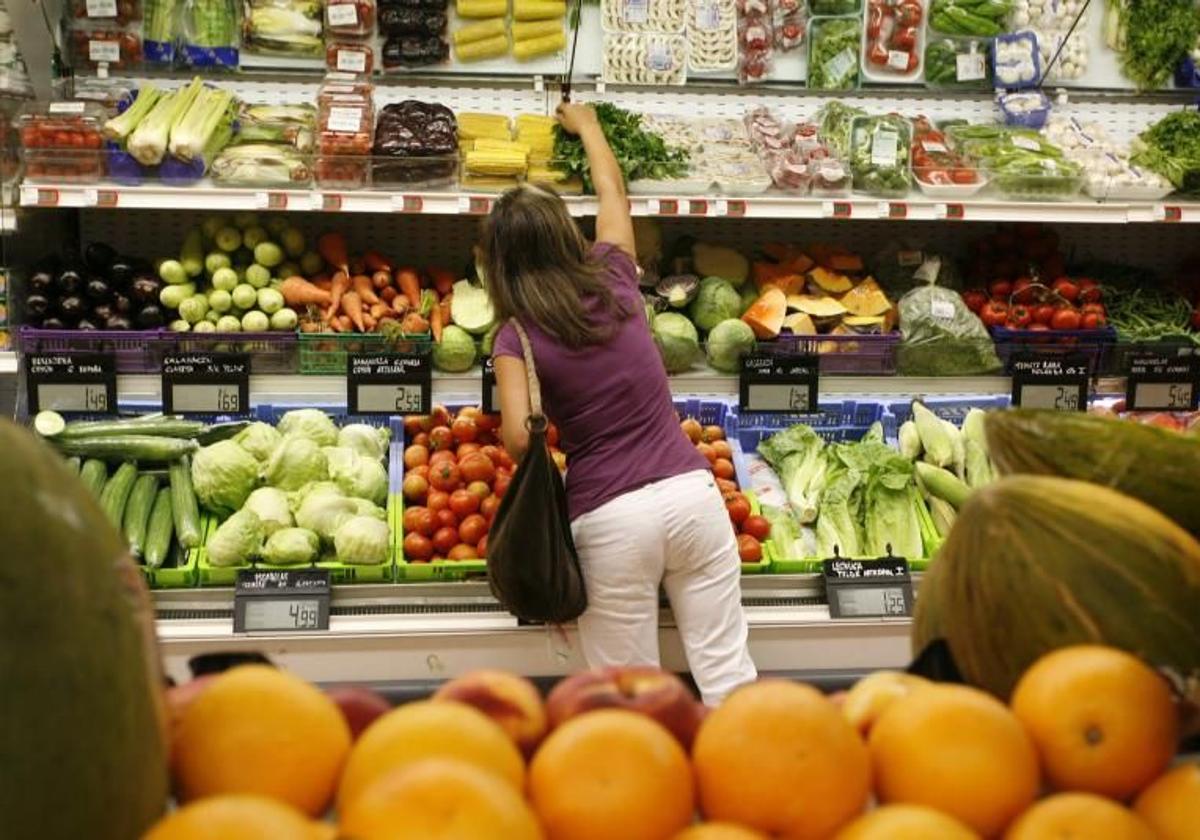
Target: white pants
x,y
676,532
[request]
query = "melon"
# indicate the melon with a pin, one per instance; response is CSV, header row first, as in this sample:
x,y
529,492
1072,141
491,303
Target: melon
x,y
765,316
1035,563
83,729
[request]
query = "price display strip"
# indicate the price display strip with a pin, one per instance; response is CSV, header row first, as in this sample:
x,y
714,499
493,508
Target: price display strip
x,y
206,383
71,383
1058,382
785,383
389,383
490,399
283,601
868,588
1158,382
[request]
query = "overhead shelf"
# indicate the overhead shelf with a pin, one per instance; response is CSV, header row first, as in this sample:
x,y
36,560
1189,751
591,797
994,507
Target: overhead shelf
x,y
769,206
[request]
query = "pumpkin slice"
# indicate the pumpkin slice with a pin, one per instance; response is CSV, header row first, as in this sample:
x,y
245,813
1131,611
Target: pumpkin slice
x,y
798,323
864,324
830,282
866,299
765,316
818,306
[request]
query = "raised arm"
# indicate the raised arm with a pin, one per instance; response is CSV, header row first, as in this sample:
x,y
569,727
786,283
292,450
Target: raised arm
x,y
613,223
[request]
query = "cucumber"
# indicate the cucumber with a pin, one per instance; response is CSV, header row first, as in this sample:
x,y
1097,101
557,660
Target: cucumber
x,y
183,503
158,427
121,447
73,465
116,492
158,530
94,474
137,512
48,423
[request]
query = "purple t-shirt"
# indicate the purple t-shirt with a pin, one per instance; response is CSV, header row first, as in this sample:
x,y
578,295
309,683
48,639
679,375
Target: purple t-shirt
x,y
611,402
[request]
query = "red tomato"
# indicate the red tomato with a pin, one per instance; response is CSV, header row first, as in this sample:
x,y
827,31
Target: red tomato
x,y
961,175
738,507
905,38
473,529
994,313
414,424
422,471
1095,321
421,439
1066,319
445,518
975,299
749,549
1066,289
1043,313
470,411
757,527
445,539
506,461
707,451
465,449
481,549
477,467
480,489
417,548
1089,290
878,54
493,453
489,506
1019,317
415,488
723,469
1000,289
414,519
442,456
440,416
437,500
722,449
1096,308
462,552
1023,290
464,430
441,438
415,456
487,422
500,485
726,486
464,503
445,476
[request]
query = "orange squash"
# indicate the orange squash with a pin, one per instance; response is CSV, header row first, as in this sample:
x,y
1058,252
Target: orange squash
x,y
765,316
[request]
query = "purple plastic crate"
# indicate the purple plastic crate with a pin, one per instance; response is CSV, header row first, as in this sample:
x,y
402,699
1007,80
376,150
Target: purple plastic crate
x,y
135,351
868,355
1092,344
270,352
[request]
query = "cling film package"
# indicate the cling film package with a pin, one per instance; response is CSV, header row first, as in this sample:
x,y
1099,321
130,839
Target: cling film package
x,y
209,33
940,336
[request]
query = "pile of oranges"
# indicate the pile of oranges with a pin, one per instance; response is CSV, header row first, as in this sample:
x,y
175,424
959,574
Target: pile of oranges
x,y
1081,751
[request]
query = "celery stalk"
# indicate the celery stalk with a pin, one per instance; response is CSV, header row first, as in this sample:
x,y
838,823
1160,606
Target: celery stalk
x,y
191,132
148,142
119,127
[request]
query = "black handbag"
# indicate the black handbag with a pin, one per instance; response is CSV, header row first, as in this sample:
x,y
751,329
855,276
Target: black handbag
x,y
533,567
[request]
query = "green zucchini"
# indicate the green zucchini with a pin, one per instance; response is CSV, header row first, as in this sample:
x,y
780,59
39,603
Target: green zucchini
x,y
94,474
137,512
121,447
159,427
116,492
73,464
158,530
183,503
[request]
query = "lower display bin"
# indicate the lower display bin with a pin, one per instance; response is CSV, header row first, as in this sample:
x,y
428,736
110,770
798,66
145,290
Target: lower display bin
x,y
1093,345
836,421
179,571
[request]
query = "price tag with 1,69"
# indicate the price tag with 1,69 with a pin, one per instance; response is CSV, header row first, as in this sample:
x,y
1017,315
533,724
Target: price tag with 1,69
x,y
1162,382
779,383
389,383
206,383
1052,381
868,588
71,383
281,601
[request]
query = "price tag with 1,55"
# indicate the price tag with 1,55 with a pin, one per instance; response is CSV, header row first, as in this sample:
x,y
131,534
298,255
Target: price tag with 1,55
x,y
779,383
71,383
1050,381
868,588
389,383
490,399
281,601
206,383
1163,382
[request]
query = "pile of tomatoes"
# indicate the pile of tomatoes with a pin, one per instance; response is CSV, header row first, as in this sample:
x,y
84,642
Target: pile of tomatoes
x,y
751,529
1066,304
933,159
893,32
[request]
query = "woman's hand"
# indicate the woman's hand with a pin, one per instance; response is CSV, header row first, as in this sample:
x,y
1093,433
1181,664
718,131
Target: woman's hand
x,y
575,118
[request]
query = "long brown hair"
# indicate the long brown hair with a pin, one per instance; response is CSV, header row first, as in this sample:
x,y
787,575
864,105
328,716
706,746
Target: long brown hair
x,y
537,268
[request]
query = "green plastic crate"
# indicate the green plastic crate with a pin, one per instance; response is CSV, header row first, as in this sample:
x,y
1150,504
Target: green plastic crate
x,y
764,565
433,569
178,572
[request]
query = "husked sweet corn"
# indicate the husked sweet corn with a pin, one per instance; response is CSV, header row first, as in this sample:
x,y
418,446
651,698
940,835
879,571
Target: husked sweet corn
x,y
481,8
484,143
478,50
534,121
488,183
480,31
542,45
473,126
495,162
537,9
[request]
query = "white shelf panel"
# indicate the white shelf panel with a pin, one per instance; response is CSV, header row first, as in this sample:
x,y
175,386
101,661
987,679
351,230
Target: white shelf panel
x,y
8,362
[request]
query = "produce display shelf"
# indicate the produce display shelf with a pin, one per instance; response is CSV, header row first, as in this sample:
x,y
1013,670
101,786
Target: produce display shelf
x,y
770,206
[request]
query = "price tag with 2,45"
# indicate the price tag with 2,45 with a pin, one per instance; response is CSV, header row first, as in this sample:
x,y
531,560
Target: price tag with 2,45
x,y
1163,382
71,383
1051,381
779,383
206,383
281,601
389,383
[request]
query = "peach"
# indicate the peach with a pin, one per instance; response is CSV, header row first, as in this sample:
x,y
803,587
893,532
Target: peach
x,y
658,694
870,697
511,701
360,706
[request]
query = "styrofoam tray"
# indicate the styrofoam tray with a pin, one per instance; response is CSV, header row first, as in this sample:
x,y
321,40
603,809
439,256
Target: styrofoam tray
x,y
951,190
1128,192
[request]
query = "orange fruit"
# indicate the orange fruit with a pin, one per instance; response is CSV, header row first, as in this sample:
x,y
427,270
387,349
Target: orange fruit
x,y
439,799
1171,805
1102,720
718,831
1079,816
236,817
906,822
611,773
429,729
869,698
778,757
957,750
257,729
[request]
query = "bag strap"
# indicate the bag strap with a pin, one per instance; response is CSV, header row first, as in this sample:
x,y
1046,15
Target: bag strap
x,y
535,387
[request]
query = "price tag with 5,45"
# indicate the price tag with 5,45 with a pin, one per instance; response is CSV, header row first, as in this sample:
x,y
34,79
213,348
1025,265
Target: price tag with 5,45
x,y
389,383
1163,382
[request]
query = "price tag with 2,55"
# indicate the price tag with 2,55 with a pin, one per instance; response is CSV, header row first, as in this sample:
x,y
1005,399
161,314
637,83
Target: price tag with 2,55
x,y
1052,381
206,383
389,383
778,383
1163,381
71,383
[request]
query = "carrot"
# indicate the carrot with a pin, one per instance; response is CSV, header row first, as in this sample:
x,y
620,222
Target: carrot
x,y
341,285
401,304
443,308
352,305
319,277
332,248
410,284
364,289
388,295
335,325
377,262
370,322
299,292
381,279
414,324
325,285
435,323
344,323
443,279
357,266
380,310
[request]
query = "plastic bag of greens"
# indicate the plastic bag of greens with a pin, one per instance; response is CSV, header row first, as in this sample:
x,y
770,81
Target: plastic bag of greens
x,y
904,264
210,33
940,336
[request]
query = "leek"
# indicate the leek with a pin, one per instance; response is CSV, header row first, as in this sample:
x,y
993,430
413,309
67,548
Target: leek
x,y
210,109
148,142
119,127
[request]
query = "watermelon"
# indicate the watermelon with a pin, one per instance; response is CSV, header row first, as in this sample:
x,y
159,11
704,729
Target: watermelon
x,y
1034,563
83,728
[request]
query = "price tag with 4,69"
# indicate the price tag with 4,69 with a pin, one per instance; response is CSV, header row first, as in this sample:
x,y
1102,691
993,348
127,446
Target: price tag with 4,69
x,y
783,383
71,383
206,383
1054,381
1162,382
389,383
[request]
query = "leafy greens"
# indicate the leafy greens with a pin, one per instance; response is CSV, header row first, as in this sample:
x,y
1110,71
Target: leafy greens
x,y
641,154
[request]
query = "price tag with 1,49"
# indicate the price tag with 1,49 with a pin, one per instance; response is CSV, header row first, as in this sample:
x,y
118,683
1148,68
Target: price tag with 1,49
x,y
389,383
206,383
782,383
281,601
868,588
1161,382
1053,381
71,383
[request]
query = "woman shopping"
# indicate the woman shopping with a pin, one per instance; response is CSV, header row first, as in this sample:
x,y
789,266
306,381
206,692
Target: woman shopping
x,y
644,508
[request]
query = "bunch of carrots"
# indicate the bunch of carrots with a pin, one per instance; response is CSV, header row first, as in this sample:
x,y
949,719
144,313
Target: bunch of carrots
x,y
369,294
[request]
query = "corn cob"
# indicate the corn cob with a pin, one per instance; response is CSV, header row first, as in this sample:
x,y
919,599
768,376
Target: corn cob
x,y
495,162
487,182
486,143
537,9
524,30
473,125
479,31
481,8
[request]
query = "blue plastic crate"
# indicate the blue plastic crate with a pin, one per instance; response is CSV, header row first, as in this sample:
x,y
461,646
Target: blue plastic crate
x,y
706,412
837,421
953,409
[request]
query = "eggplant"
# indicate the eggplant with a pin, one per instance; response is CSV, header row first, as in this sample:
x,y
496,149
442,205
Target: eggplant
x,y
118,322
98,290
70,283
151,317
37,305
53,324
101,312
121,273
122,304
98,257
42,283
72,307
145,289
86,325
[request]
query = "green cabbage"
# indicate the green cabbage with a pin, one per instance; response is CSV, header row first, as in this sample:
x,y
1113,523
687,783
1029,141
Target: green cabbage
x,y
364,540
362,478
322,511
471,308
223,475
455,353
271,506
311,423
716,301
364,508
727,342
677,341
289,546
237,540
296,461
369,441
259,439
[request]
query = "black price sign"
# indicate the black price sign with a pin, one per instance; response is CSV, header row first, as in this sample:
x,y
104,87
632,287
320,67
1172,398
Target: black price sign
x,y
1051,381
490,399
1158,382
784,383
389,383
206,383
71,383
868,588
284,601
